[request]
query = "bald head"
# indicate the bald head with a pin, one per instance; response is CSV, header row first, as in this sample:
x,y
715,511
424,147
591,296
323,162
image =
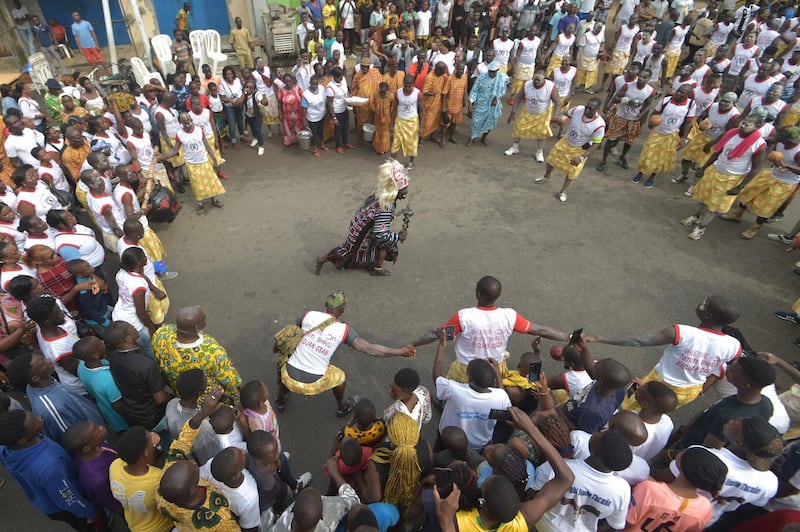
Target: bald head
x,y
630,425
488,291
188,318
308,509
179,481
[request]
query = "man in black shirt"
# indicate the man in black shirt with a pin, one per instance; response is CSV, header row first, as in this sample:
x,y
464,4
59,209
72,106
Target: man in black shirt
x,y
138,378
365,11
749,375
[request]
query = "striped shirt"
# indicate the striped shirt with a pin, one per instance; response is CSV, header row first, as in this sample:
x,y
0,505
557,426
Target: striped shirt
x,y
60,409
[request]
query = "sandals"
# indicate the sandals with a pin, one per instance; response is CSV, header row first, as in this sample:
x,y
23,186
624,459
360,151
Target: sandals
x,y
217,203
201,210
380,272
349,403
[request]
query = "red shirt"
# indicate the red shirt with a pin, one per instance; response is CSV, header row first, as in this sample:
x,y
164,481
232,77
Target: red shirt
x,y
59,31
204,102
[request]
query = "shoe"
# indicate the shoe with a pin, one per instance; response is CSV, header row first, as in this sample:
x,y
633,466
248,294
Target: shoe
x,y
287,455
648,183
775,218
254,143
340,150
269,133
541,179
788,316
797,264
235,146
690,221
168,276
623,162
734,216
410,166
303,481
511,102
751,232
261,150
380,272
349,403
679,179
349,146
780,237
562,197
353,56
697,233
280,407
512,150
217,203
636,179
539,156
601,167
689,191
223,175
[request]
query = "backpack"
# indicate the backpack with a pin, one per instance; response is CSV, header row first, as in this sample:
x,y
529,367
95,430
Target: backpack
x,y
288,338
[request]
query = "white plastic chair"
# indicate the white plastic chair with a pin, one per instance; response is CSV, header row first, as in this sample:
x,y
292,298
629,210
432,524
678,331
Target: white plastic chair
x,y
162,48
40,71
197,39
142,74
214,55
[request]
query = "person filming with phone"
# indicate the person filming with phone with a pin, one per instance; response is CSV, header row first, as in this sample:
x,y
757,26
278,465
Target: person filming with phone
x,y
483,331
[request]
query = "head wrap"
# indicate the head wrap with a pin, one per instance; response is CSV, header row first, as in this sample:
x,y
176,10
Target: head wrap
x,y
791,132
336,300
494,66
762,442
703,469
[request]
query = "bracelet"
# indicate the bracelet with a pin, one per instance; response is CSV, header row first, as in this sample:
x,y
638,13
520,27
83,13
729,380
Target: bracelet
x,y
544,392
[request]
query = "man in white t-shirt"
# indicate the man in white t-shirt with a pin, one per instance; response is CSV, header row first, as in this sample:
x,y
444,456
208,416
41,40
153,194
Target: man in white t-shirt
x,y
483,331
468,406
22,18
696,356
308,370
596,493
21,141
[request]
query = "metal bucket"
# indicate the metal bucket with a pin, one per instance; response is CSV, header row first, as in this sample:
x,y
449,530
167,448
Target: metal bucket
x,y
304,139
369,132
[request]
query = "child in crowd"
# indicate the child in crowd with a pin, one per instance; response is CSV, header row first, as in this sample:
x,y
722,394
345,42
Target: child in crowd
x,y
454,445
591,409
258,413
191,385
567,385
220,432
92,303
85,441
95,375
516,382
365,427
656,400
352,459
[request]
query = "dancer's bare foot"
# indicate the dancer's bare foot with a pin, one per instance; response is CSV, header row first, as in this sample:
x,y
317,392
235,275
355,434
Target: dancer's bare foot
x,y
317,266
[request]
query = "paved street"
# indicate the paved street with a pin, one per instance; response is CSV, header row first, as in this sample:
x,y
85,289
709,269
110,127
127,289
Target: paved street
x,y
613,259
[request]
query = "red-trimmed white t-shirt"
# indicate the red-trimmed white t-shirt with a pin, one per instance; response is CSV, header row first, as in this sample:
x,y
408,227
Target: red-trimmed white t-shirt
x,y
129,284
575,380
483,332
55,349
696,354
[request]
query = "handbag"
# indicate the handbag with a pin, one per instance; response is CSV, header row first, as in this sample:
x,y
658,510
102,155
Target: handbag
x,y
63,197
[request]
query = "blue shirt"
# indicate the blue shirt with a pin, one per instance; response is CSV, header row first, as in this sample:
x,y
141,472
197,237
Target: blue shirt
x,y
60,409
9,103
83,32
49,478
100,384
42,33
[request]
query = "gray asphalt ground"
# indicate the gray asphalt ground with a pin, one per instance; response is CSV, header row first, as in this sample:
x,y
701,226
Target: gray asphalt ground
x,y
612,259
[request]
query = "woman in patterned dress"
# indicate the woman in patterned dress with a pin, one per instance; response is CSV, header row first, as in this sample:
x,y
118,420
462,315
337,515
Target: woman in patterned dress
x,y
291,110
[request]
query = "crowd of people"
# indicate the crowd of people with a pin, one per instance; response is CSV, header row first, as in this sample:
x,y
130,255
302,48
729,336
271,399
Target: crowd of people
x,y
110,413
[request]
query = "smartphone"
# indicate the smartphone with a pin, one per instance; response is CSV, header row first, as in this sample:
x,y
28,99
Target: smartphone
x,y
444,481
450,333
631,389
535,371
575,337
502,415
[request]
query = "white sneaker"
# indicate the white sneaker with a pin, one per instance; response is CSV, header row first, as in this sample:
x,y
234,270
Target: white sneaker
x,y
797,264
780,237
690,221
303,481
254,143
539,156
512,150
689,191
261,150
562,196
269,132
697,233
541,179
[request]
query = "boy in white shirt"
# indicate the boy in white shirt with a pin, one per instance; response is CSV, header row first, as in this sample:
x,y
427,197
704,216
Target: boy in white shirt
x,y
226,472
656,400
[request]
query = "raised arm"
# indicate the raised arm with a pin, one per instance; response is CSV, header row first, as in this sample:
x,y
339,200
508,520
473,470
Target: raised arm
x,y
381,351
554,489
